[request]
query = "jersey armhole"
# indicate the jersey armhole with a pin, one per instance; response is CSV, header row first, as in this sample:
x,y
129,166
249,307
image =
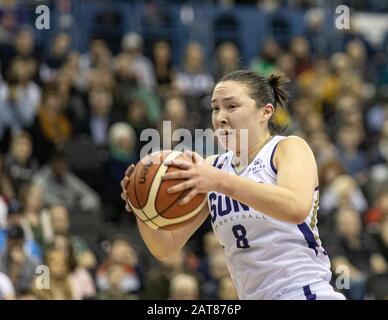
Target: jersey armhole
x,y
275,171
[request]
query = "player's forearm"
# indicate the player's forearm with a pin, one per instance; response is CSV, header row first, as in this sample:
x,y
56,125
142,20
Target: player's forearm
x,y
159,242
164,244
274,201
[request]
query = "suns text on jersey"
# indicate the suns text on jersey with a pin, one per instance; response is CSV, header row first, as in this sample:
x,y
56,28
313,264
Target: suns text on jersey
x,y
223,210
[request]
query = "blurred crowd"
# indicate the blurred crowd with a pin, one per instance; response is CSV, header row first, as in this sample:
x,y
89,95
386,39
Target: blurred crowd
x,y
70,123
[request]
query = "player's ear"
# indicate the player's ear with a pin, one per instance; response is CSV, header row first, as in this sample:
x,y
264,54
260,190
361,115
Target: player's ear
x,y
267,111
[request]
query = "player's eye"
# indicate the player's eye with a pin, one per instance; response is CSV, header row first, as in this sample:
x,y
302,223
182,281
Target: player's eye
x,y
232,106
215,108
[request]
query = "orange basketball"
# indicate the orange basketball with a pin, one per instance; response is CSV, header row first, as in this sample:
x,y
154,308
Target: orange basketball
x,y
148,197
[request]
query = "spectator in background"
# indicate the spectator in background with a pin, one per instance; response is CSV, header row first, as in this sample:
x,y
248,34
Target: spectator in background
x,y
132,43
101,78
100,117
265,64
300,50
11,16
60,221
348,142
59,53
211,247
319,40
376,116
7,192
60,286
329,170
356,251
286,65
35,219
194,79
184,287
324,150
379,210
319,84
139,119
122,254
115,275
81,281
61,186
122,143
348,112
195,82
342,192
69,85
127,83
217,270
19,99
23,48
157,280
51,128
380,233
164,72
15,262
379,285
97,56
356,51
227,59
177,115
19,163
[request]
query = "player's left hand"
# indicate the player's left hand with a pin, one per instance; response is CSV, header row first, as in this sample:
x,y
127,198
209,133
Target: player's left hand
x,y
200,176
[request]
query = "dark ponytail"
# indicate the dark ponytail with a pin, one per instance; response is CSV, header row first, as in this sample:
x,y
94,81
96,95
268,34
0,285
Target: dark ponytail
x,y
281,95
277,83
263,90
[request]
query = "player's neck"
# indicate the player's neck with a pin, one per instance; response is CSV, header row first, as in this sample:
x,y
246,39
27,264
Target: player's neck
x,y
243,158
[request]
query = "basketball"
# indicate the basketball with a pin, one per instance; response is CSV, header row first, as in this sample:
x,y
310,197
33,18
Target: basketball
x,y
148,197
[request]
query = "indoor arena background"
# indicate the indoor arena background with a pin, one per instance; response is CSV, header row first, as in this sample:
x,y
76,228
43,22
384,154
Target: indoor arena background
x,y
74,98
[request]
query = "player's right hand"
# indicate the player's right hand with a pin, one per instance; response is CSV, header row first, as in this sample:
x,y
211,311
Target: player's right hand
x,y
124,184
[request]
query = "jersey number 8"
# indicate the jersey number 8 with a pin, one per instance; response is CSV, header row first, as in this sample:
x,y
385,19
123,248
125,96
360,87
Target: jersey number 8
x,y
240,234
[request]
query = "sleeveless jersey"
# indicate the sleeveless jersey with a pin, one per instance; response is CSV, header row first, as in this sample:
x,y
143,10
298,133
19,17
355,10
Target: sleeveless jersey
x,y
267,258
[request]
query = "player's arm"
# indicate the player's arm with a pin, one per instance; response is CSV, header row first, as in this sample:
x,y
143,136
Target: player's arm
x,y
164,244
291,199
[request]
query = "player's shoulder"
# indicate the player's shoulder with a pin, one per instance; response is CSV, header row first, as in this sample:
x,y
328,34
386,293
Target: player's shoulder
x,y
291,142
292,147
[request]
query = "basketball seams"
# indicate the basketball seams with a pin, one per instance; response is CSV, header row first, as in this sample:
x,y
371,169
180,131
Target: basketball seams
x,y
141,208
180,196
160,184
159,219
150,205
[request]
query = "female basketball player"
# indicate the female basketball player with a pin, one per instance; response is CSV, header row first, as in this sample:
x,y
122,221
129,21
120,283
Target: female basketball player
x,y
264,210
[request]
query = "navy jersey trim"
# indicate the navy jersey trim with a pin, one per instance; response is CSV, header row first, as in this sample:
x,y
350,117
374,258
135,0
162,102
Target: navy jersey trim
x,y
275,171
308,236
308,294
216,161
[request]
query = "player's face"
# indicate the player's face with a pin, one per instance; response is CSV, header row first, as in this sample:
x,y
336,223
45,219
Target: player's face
x,y
234,110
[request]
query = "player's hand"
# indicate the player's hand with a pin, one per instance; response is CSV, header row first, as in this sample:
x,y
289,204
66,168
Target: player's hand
x,y
200,177
124,184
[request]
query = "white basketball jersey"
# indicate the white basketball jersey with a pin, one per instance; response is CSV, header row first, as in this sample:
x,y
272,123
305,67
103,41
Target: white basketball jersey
x,y
266,258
